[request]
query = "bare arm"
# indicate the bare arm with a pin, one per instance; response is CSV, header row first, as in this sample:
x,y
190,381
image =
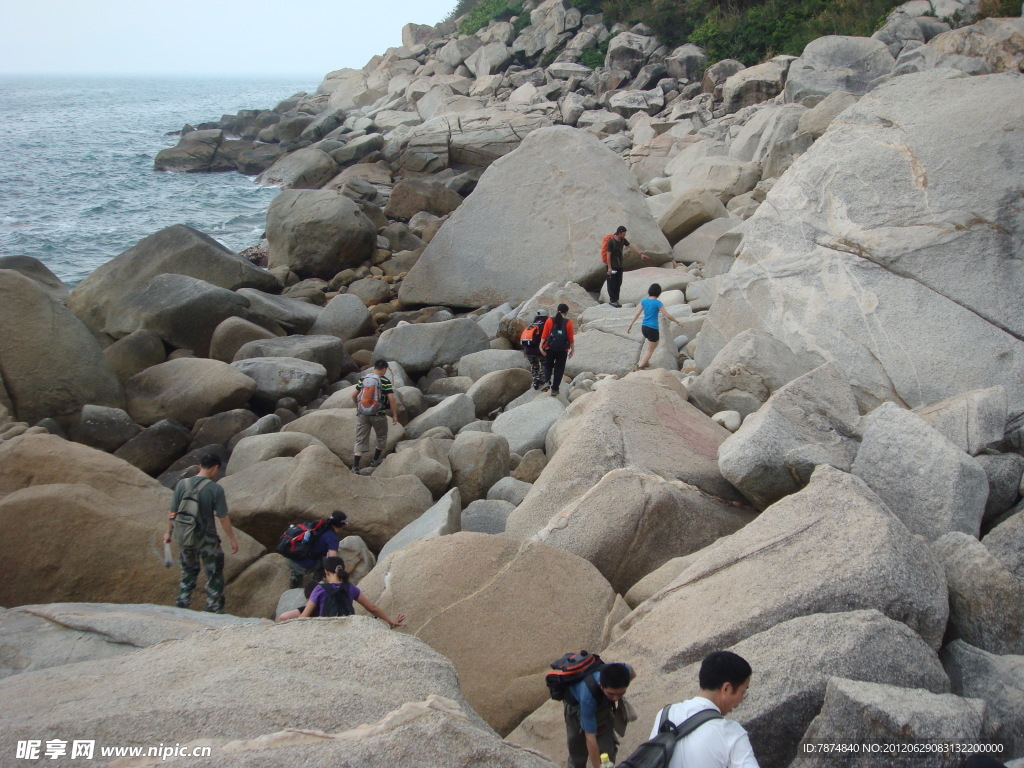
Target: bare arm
x,y
364,601
226,522
593,751
394,407
641,254
639,309
307,611
669,317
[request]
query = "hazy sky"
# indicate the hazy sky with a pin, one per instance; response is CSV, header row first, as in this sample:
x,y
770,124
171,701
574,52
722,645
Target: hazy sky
x,y
185,36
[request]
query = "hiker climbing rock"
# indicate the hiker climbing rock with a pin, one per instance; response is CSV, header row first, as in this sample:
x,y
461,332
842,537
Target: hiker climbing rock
x,y
195,502
611,256
651,307
557,345
374,398
304,545
335,596
530,340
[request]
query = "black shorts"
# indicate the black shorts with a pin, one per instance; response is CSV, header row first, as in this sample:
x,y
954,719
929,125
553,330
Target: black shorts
x,y
651,334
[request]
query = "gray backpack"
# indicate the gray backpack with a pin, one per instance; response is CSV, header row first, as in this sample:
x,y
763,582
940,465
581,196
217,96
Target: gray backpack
x,y
188,525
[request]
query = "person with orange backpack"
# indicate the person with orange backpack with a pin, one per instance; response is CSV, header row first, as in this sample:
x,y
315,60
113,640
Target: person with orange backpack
x,y
611,256
374,397
530,341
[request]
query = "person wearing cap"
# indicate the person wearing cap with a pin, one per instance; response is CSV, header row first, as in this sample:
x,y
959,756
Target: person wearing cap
x,y
612,256
325,545
557,344
530,340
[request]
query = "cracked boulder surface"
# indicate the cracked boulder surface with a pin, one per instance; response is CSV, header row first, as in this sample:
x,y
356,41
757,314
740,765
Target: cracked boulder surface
x,y
571,190
538,602
107,520
872,253
642,422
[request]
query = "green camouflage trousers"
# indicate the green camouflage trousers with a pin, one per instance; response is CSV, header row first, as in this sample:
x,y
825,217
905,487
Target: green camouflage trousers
x,y
212,557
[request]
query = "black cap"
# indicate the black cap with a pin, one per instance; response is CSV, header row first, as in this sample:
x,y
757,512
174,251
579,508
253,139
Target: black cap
x,y
620,230
338,518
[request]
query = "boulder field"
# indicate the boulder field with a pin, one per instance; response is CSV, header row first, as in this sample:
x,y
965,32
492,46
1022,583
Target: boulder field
x,y
821,471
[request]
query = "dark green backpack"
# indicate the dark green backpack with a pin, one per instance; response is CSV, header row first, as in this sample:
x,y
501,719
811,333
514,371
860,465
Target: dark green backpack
x,y
189,531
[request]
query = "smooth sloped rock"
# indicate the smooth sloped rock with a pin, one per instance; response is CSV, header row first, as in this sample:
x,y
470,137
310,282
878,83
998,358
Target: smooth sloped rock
x,y
1004,472
986,601
317,233
996,680
642,422
755,84
531,466
488,59
496,389
929,483
233,333
476,365
792,662
748,370
418,347
328,351
558,175
698,245
410,196
636,282
308,168
486,516
186,390
509,489
442,519
278,377
478,460
267,497
51,365
427,461
258,687
264,425
602,352
971,421
156,447
453,412
257,448
995,41
104,428
174,250
857,712
39,273
93,493
344,316
526,427
42,636
692,209
837,63
356,149
631,523
719,175
657,580
498,660
135,352
293,315
813,420
1007,544
816,120
821,241
336,428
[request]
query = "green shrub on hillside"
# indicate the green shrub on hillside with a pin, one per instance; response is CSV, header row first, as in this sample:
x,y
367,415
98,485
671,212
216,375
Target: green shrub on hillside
x,y
487,11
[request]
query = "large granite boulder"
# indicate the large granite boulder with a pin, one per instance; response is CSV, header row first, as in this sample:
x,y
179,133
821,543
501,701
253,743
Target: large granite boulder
x,y
442,519
177,250
52,635
972,421
476,365
410,196
136,352
631,523
328,351
245,682
158,446
308,168
526,426
823,241
256,448
45,480
500,660
278,377
755,84
454,412
318,233
293,315
40,274
837,63
418,347
50,365
424,459
996,680
186,390
231,335
478,461
344,316
558,175
928,483
267,497
104,428
494,390
643,422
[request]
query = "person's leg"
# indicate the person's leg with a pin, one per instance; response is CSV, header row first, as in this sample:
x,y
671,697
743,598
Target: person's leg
x,y
649,348
380,432
189,561
548,362
298,573
362,439
213,567
536,370
614,286
575,740
558,370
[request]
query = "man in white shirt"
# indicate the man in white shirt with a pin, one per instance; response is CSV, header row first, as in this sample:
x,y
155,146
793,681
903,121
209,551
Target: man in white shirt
x,y
724,677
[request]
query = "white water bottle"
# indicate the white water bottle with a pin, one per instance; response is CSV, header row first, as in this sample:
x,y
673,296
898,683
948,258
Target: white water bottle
x,y
605,761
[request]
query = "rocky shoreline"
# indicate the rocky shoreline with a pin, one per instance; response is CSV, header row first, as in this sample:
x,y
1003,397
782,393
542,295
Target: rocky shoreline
x,y
822,471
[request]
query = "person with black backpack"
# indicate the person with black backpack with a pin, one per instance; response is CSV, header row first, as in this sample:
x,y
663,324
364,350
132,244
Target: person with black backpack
x,y
557,344
304,545
530,341
335,596
694,732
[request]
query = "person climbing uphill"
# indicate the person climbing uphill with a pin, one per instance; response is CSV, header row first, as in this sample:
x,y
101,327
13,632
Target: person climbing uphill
x,y
557,345
335,595
611,255
651,307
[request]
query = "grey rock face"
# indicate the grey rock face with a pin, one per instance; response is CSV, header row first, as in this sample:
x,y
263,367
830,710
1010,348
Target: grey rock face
x,y
328,351
444,518
453,412
526,427
837,63
810,421
421,346
308,168
155,448
293,315
1006,542
278,377
971,421
104,428
509,489
996,680
486,516
929,483
479,460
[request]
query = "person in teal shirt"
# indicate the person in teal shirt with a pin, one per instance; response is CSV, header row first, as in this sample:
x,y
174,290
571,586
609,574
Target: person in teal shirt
x,y
651,307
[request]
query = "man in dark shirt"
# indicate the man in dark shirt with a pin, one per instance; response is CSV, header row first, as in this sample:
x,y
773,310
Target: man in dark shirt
x,y
614,263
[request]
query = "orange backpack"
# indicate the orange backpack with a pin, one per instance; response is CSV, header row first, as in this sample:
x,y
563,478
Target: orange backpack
x,y
605,255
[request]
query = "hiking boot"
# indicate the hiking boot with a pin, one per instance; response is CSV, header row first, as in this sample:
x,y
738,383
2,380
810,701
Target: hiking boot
x,y
355,468
616,304
545,387
554,393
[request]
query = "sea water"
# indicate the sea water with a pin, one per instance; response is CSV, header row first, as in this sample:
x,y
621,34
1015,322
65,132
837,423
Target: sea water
x,y
77,185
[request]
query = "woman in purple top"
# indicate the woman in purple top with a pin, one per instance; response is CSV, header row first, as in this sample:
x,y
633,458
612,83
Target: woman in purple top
x,y
651,307
336,577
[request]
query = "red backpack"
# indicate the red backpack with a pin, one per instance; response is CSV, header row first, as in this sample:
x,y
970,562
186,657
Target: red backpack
x,y
605,254
531,336
570,669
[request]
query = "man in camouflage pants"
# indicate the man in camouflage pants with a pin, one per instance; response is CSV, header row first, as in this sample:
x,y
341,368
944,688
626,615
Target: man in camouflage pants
x,y
211,502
